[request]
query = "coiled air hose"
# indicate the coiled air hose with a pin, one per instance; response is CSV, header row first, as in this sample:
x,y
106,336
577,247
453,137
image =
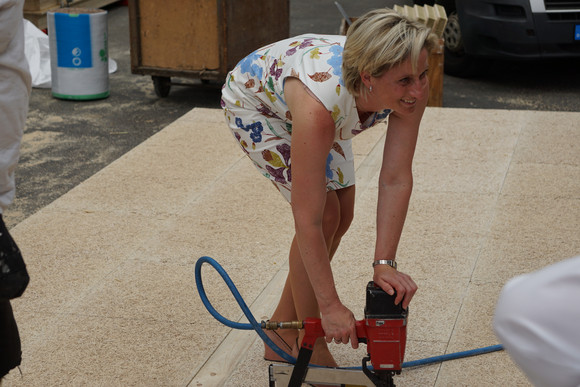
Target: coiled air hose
x,y
255,325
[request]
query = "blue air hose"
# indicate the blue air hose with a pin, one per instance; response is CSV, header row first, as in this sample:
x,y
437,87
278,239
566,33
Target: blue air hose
x,y
232,324
255,325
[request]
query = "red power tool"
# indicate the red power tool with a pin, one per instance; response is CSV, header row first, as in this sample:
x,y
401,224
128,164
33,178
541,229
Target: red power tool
x,y
383,330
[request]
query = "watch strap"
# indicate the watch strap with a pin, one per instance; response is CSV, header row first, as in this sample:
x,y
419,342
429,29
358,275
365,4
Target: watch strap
x,y
390,262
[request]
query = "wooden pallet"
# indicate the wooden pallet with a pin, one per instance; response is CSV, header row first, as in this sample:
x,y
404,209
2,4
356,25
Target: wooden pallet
x,y
433,17
35,10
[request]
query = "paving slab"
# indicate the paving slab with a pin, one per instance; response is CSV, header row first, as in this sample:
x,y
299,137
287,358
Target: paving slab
x,y
113,302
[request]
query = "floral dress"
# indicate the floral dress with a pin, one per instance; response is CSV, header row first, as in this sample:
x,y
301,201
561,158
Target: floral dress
x,y
257,114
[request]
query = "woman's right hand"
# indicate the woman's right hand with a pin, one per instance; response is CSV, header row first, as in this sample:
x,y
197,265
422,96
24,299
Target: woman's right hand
x,y
339,325
391,280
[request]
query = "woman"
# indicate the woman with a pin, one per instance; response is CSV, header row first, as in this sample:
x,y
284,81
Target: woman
x,y
294,106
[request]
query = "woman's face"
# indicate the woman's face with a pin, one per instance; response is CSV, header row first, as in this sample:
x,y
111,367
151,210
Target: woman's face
x,y
400,89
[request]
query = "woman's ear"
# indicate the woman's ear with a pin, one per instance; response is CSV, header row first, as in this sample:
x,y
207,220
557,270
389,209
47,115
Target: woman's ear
x,y
365,77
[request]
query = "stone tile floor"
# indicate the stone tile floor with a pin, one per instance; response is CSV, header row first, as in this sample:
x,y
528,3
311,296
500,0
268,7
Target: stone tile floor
x,y
113,302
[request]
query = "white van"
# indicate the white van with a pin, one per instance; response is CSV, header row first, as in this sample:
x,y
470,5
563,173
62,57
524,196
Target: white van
x,y
480,30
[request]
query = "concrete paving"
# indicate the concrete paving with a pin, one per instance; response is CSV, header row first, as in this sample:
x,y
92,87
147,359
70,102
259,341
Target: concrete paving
x,y
112,300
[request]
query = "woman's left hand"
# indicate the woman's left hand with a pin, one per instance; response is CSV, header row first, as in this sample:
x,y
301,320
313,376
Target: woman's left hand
x,y
391,280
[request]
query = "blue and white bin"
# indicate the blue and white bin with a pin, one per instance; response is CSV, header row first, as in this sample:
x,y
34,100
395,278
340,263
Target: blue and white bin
x,y
79,57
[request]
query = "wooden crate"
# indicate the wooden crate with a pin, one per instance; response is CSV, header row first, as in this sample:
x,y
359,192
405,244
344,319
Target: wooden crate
x,y
436,62
204,38
35,10
39,5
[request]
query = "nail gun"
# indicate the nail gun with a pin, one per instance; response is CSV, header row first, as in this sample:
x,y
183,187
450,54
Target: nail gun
x,y
383,330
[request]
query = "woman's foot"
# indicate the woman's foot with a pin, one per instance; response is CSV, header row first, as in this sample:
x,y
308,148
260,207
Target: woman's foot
x,y
284,345
321,355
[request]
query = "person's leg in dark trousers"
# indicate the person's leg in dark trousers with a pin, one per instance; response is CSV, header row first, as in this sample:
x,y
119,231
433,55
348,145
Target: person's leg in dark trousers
x,y
10,351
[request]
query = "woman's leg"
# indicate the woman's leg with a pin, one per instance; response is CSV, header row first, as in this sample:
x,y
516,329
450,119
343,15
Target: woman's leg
x,y
285,311
338,215
346,198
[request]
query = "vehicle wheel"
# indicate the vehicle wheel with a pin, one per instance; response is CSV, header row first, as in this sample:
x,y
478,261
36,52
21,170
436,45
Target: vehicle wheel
x,y
162,85
457,62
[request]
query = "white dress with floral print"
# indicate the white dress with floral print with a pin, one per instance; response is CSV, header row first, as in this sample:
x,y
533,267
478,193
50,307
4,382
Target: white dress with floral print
x,y
254,105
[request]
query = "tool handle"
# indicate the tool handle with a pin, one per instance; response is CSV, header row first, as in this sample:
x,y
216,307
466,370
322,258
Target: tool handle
x,y
313,330
361,331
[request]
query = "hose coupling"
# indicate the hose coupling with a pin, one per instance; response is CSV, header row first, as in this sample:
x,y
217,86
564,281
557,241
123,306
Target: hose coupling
x,y
273,325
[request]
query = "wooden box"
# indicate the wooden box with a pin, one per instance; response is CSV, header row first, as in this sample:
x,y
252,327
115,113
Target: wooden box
x,y
201,38
39,5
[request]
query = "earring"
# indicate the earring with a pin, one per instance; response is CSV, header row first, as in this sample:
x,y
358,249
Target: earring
x,y
370,88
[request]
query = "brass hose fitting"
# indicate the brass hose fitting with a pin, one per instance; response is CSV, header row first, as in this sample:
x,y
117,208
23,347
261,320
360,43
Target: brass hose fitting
x,y
273,325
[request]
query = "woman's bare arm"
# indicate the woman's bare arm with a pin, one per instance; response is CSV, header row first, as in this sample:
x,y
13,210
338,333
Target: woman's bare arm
x,y
313,133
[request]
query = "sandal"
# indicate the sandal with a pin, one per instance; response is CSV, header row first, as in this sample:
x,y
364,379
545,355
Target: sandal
x,y
270,355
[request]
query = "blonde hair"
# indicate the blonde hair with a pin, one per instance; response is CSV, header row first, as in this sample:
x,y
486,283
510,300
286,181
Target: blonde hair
x,y
378,41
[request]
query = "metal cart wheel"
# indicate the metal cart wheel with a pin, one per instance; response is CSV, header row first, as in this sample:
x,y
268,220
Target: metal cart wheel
x,y
162,85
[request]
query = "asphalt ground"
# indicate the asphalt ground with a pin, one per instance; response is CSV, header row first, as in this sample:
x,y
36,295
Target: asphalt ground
x,y
66,142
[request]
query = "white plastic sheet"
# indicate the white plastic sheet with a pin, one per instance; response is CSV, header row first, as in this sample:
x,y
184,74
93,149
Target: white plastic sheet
x,y
38,55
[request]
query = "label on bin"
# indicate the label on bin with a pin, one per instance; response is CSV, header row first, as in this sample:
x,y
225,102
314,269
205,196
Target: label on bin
x,y
73,40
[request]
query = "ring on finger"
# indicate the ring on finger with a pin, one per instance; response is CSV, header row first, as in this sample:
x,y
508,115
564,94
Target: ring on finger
x,y
338,341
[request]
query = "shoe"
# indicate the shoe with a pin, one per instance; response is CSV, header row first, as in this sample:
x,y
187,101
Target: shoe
x,y
270,355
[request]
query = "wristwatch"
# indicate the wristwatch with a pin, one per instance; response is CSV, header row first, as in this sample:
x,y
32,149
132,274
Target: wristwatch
x,y
390,262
